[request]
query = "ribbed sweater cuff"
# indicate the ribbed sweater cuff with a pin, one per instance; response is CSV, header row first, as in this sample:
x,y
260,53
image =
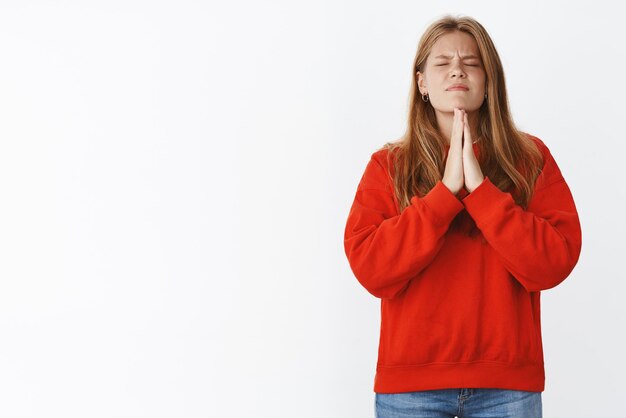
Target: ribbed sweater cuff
x,y
443,203
482,202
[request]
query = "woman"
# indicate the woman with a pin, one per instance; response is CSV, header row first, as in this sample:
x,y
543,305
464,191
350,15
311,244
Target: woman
x,y
457,228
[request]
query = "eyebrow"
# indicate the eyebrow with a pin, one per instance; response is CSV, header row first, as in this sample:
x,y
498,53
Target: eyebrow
x,y
449,56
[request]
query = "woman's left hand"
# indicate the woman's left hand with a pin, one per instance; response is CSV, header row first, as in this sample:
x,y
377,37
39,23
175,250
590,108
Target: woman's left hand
x,y
472,173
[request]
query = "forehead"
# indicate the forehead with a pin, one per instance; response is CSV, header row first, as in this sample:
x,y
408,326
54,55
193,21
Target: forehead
x,y
455,43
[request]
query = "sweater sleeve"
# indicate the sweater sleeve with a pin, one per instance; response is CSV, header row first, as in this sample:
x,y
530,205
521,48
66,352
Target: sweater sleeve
x,y
386,249
539,246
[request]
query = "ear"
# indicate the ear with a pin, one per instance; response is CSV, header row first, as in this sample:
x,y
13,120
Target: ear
x,y
420,82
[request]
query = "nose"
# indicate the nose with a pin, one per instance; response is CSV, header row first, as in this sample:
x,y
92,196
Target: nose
x,y
457,70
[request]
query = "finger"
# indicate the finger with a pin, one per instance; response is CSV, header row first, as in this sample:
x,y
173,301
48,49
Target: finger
x,y
467,137
466,130
457,127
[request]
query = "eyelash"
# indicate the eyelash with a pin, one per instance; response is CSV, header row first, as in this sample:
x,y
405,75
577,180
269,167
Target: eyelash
x,y
469,65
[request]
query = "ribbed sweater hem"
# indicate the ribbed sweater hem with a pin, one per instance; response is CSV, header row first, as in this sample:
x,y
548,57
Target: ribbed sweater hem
x,y
477,374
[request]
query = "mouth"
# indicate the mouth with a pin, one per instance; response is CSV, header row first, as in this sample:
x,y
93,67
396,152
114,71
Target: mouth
x,y
457,89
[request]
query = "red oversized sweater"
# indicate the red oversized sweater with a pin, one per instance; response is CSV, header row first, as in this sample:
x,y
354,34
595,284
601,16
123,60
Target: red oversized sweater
x,y
460,311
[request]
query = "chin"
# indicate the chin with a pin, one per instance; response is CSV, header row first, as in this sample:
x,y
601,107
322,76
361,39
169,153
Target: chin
x,y
464,106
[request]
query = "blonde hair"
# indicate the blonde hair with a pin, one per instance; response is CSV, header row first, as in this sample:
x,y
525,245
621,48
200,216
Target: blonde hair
x,y
508,156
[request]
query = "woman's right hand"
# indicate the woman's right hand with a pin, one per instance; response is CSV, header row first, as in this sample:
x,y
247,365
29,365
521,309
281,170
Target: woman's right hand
x,y
453,174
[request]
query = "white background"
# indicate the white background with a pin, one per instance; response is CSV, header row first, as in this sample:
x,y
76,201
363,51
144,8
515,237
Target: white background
x,y
175,179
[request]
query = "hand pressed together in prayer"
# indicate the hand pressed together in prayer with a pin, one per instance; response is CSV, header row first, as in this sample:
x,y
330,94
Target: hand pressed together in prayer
x,y
462,167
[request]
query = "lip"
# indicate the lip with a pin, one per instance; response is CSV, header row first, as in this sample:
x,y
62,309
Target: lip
x,y
458,87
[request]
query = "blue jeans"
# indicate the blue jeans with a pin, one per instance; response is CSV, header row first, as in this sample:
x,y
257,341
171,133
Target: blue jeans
x,y
461,403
